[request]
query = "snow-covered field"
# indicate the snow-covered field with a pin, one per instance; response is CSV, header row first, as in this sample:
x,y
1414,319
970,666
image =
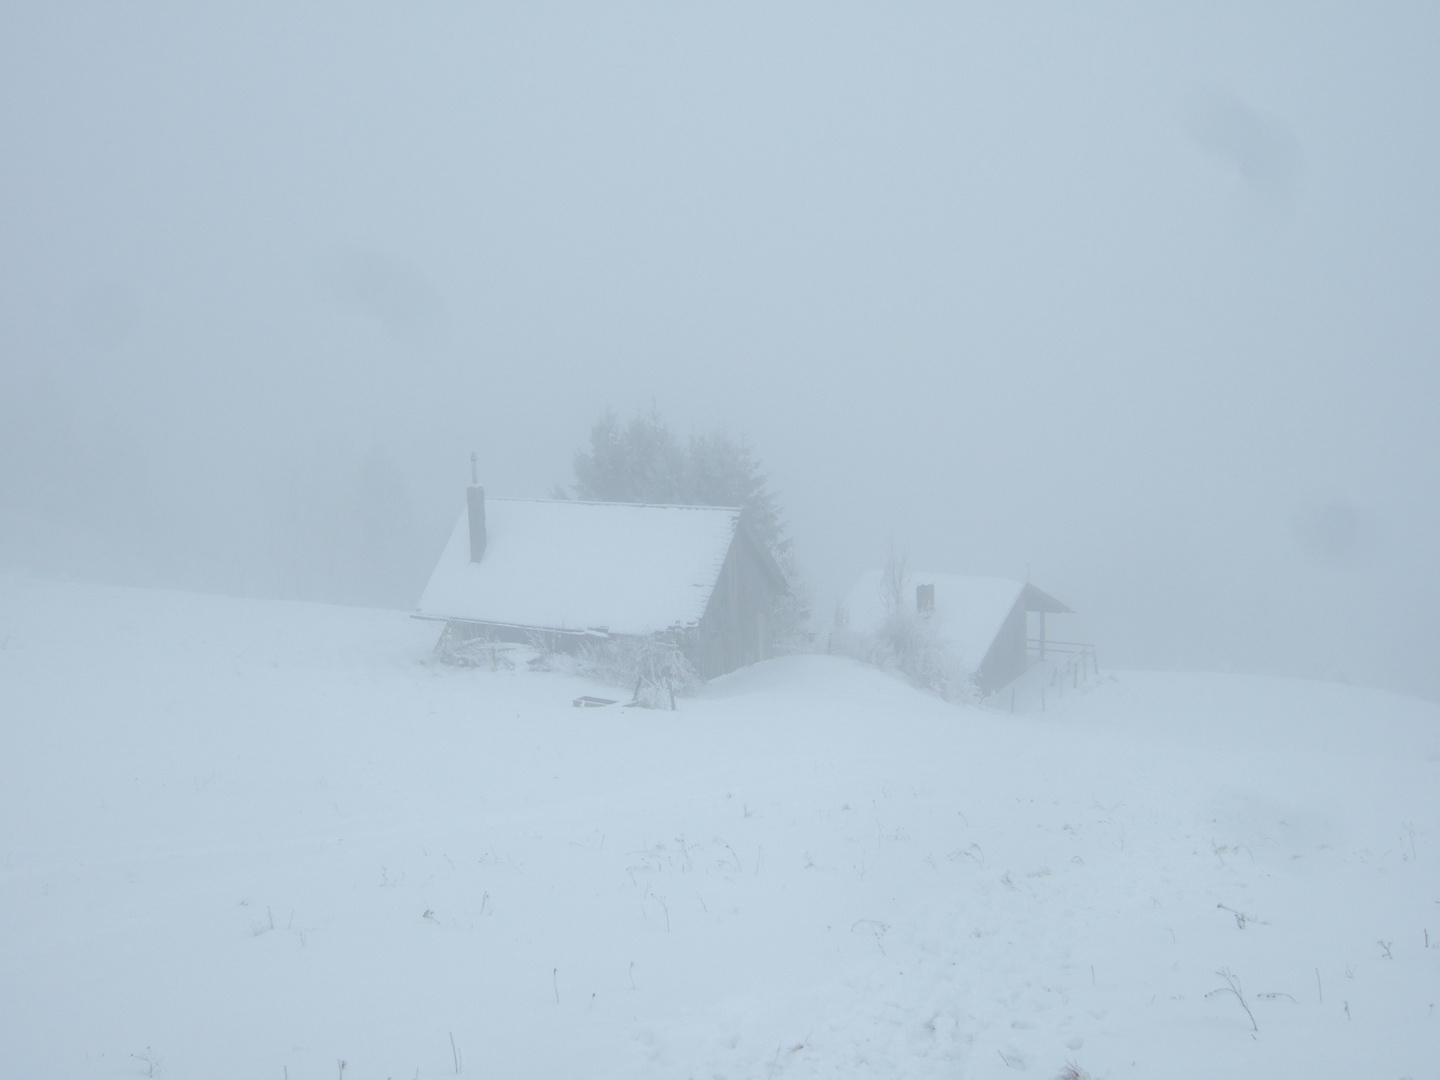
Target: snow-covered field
x,y
245,839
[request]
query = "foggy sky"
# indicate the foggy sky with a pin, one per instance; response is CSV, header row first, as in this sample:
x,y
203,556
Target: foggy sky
x,y
1143,304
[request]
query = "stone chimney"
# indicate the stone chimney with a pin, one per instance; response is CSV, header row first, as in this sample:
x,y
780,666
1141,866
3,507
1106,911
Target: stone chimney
x,y
475,500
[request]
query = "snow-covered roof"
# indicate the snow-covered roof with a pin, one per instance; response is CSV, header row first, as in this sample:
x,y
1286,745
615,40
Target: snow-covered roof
x,y
969,611
566,565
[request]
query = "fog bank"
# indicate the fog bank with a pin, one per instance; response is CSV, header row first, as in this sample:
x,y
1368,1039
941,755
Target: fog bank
x,y
1139,304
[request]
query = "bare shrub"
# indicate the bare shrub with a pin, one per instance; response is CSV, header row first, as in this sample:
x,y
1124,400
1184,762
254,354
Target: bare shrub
x,y
1232,986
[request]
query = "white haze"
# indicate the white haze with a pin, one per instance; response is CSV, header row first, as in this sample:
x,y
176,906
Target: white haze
x,y
1140,303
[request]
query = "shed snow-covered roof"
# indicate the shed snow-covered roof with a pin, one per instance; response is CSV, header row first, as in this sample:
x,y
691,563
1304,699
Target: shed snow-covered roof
x,y
566,565
969,611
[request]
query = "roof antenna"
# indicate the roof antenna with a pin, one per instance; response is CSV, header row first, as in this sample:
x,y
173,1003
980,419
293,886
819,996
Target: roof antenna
x,y
474,468
1027,565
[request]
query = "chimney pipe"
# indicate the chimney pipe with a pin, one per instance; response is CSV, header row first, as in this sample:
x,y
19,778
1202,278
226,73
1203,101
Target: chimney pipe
x,y
475,501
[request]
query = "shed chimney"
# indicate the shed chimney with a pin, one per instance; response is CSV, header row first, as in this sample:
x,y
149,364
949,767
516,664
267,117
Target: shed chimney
x,y
924,598
475,501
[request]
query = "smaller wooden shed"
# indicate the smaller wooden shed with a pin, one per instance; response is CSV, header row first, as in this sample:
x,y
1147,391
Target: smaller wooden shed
x,y
571,572
984,620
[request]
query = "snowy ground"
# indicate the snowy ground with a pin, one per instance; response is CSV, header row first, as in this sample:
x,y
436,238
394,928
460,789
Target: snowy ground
x,y
244,839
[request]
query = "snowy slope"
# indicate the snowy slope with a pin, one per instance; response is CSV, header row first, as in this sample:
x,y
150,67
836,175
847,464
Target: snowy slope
x,y
244,839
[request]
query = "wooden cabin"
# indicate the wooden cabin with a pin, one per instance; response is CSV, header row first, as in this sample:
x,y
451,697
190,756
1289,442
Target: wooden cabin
x,y
567,572
983,620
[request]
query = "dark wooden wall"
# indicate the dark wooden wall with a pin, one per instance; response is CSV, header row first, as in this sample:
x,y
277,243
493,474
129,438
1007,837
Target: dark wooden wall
x,y
735,629
1007,658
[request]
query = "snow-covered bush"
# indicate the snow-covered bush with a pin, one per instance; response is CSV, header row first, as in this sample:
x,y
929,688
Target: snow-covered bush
x,y
653,668
912,645
468,648
547,657
906,641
